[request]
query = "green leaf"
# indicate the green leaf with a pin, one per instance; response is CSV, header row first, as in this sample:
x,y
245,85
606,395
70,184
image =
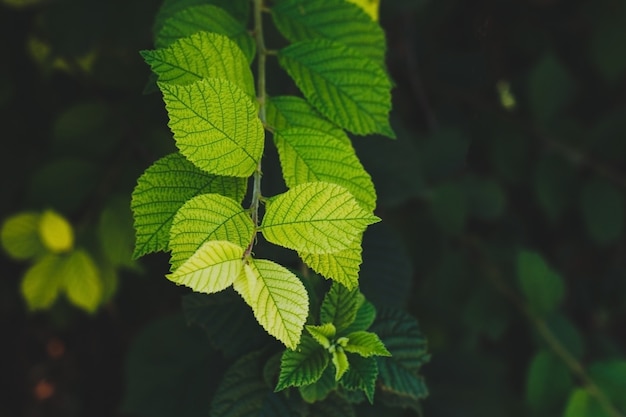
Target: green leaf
x,y
340,360
284,112
230,328
55,232
340,306
302,366
278,299
322,334
208,217
333,406
342,267
542,286
364,318
43,281
242,390
20,236
602,207
163,354
362,376
202,55
582,404
549,381
403,339
300,20
163,189
212,268
115,232
319,390
610,376
194,19
81,281
550,88
349,89
365,344
315,217
308,155
215,126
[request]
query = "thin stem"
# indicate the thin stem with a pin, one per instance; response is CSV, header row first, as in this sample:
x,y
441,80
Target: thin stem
x,y
261,97
544,330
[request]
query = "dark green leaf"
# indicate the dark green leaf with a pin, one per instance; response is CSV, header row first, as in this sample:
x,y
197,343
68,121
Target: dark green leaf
x,y
302,366
340,306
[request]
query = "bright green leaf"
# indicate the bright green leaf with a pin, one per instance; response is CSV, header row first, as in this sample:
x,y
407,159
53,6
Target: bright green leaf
x,y
541,285
20,236
549,381
342,267
81,281
208,217
320,389
202,55
284,112
302,366
361,376
213,267
349,89
55,231
315,217
322,334
43,281
277,297
365,344
340,306
340,360
163,189
215,126
302,20
308,155
194,19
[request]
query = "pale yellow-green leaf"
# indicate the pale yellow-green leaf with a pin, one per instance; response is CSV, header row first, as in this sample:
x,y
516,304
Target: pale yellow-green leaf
x,y
202,55
322,334
20,236
215,126
55,231
208,217
370,7
212,268
277,297
315,217
342,267
43,281
340,360
81,281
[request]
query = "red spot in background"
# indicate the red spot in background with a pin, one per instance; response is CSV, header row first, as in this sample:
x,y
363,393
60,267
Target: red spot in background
x,y
55,348
43,390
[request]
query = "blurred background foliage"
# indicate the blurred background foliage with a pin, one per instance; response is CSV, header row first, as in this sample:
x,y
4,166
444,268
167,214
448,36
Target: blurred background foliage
x,y
502,201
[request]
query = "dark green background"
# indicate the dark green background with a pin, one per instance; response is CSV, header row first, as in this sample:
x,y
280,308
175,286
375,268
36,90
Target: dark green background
x,y
464,188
